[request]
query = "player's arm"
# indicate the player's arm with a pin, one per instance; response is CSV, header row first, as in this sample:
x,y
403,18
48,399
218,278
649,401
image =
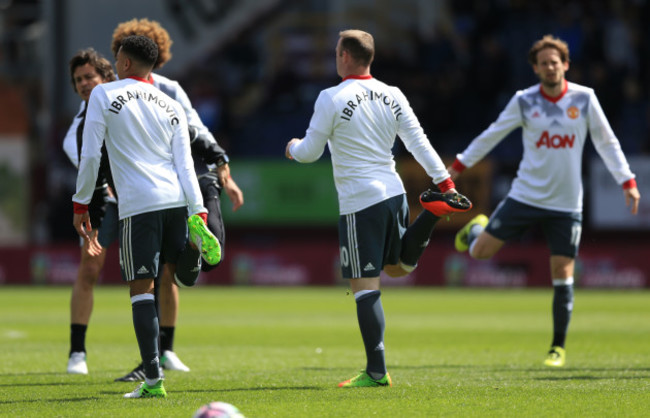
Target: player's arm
x,y
509,119
416,142
203,143
205,146
93,137
182,157
234,194
609,149
311,147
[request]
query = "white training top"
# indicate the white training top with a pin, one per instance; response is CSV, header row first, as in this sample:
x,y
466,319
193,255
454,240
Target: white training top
x,y
148,147
359,119
70,140
174,90
554,135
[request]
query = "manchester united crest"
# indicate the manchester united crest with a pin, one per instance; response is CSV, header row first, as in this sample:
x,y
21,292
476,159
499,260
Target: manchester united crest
x,y
573,112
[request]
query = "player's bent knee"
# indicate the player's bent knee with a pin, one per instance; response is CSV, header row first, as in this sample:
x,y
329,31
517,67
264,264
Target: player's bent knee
x,y
395,270
481,251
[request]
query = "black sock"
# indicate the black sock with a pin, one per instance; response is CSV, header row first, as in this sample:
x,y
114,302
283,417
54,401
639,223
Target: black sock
x,y
145,323
562,308
370,314
77,338
166,339
188,266
416,237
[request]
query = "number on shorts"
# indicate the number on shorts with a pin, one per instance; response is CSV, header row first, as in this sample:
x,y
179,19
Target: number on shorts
x,y
345,257
576,231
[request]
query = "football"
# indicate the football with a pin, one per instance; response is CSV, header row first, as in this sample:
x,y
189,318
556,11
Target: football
x,y
218,410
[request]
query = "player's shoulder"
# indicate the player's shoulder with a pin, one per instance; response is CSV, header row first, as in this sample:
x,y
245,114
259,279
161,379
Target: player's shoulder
x,y
160,80
528,91
575,87
114,86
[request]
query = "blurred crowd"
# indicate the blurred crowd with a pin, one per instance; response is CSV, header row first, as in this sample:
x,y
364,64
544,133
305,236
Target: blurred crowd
x,y
458,73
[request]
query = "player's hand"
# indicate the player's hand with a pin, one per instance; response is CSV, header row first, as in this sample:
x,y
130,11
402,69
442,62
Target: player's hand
x,y
234,193
453,173
81,222
289,144
632,197
92,246
110,192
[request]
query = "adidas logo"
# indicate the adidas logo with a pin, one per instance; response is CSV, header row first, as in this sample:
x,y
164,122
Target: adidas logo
x,y
368,267
380,346
195,269
143,270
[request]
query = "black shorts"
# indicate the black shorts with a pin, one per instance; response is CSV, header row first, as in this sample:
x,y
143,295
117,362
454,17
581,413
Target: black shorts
x,y
108,229
148,237
372,238
561,229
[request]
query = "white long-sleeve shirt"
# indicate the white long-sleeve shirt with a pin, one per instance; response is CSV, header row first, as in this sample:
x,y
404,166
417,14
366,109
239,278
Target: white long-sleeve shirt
x,y
554,131
147,141
359,120
70,139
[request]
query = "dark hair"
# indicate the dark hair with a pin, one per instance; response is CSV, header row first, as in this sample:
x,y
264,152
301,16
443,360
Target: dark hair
x,y
548,41
359,44
92,57
140,48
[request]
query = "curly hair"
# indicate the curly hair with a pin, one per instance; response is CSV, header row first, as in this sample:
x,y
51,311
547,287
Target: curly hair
x,y
142,49
144,27
548,41
92,57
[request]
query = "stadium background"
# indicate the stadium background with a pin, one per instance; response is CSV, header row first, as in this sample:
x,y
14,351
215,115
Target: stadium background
x,y
253,69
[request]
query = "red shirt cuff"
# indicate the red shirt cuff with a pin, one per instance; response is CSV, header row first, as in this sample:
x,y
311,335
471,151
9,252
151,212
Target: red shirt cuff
x,y
630,184
79,209
204,216
446,185
458,166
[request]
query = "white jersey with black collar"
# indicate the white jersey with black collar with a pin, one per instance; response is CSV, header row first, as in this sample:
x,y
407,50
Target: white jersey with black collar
x,y
148,147
359,120
554,131
70,139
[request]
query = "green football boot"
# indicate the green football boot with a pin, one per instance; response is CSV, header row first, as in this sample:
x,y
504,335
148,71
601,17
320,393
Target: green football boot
x,y
556,357
364,380
204,240
146,391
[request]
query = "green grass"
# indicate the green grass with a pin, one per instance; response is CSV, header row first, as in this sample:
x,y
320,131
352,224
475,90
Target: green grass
x,y
279,352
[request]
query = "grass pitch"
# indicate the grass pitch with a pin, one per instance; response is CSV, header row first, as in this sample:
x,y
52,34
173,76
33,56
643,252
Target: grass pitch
x,y
280,352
